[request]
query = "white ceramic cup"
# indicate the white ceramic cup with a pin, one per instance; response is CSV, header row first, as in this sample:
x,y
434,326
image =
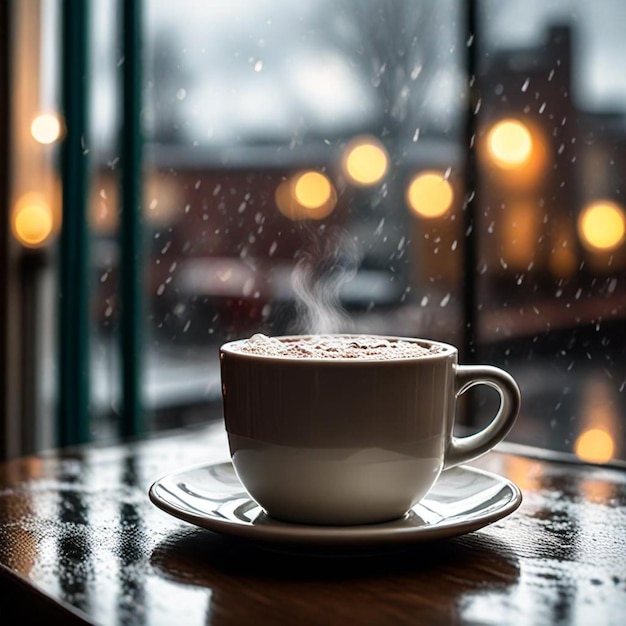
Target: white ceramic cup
x,y
352,441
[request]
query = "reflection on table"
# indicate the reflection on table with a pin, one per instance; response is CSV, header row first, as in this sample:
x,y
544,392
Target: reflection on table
x,y
77,527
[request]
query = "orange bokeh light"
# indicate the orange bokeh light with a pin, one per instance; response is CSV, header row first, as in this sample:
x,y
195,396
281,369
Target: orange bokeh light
x,y
307,195
365,161
594,445
602,225
510,143
430,194
32,220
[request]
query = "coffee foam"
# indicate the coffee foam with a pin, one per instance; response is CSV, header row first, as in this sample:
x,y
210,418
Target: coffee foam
x,y
366,347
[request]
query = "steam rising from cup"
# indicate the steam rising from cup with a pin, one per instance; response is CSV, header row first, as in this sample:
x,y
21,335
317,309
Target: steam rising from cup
x,y
330,260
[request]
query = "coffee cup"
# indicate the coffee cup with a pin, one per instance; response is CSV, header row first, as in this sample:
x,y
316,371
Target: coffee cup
x,y
326,430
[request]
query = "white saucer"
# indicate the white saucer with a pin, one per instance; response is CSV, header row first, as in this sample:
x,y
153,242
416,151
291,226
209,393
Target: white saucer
x,y
463,500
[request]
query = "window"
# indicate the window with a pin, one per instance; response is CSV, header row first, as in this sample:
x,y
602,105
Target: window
x,y
308,169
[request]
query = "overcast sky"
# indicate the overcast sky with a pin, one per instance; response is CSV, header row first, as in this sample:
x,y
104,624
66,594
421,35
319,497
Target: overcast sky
x,y
600,40
205,29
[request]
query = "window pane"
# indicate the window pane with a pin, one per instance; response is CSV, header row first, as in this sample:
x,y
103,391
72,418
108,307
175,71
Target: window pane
x,y
552,150
303,174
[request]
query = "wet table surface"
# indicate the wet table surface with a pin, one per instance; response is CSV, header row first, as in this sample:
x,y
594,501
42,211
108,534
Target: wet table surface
x,y
80,542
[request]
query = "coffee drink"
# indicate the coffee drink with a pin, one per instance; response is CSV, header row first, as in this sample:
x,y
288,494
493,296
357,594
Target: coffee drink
x,y
368,347
350,429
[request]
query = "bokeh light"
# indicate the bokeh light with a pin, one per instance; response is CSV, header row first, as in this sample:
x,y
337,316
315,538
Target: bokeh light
x,y
430,194
594,445
32,222
312,190
510,143
365,161
601,225
46,128
307,195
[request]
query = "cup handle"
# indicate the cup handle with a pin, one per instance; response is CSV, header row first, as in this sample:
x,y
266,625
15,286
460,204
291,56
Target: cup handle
x,y
464,449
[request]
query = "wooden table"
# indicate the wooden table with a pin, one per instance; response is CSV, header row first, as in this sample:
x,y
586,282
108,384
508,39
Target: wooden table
x,y
80,542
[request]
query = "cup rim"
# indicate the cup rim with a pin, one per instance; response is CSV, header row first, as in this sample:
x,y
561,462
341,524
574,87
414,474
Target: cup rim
x,y
446,350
